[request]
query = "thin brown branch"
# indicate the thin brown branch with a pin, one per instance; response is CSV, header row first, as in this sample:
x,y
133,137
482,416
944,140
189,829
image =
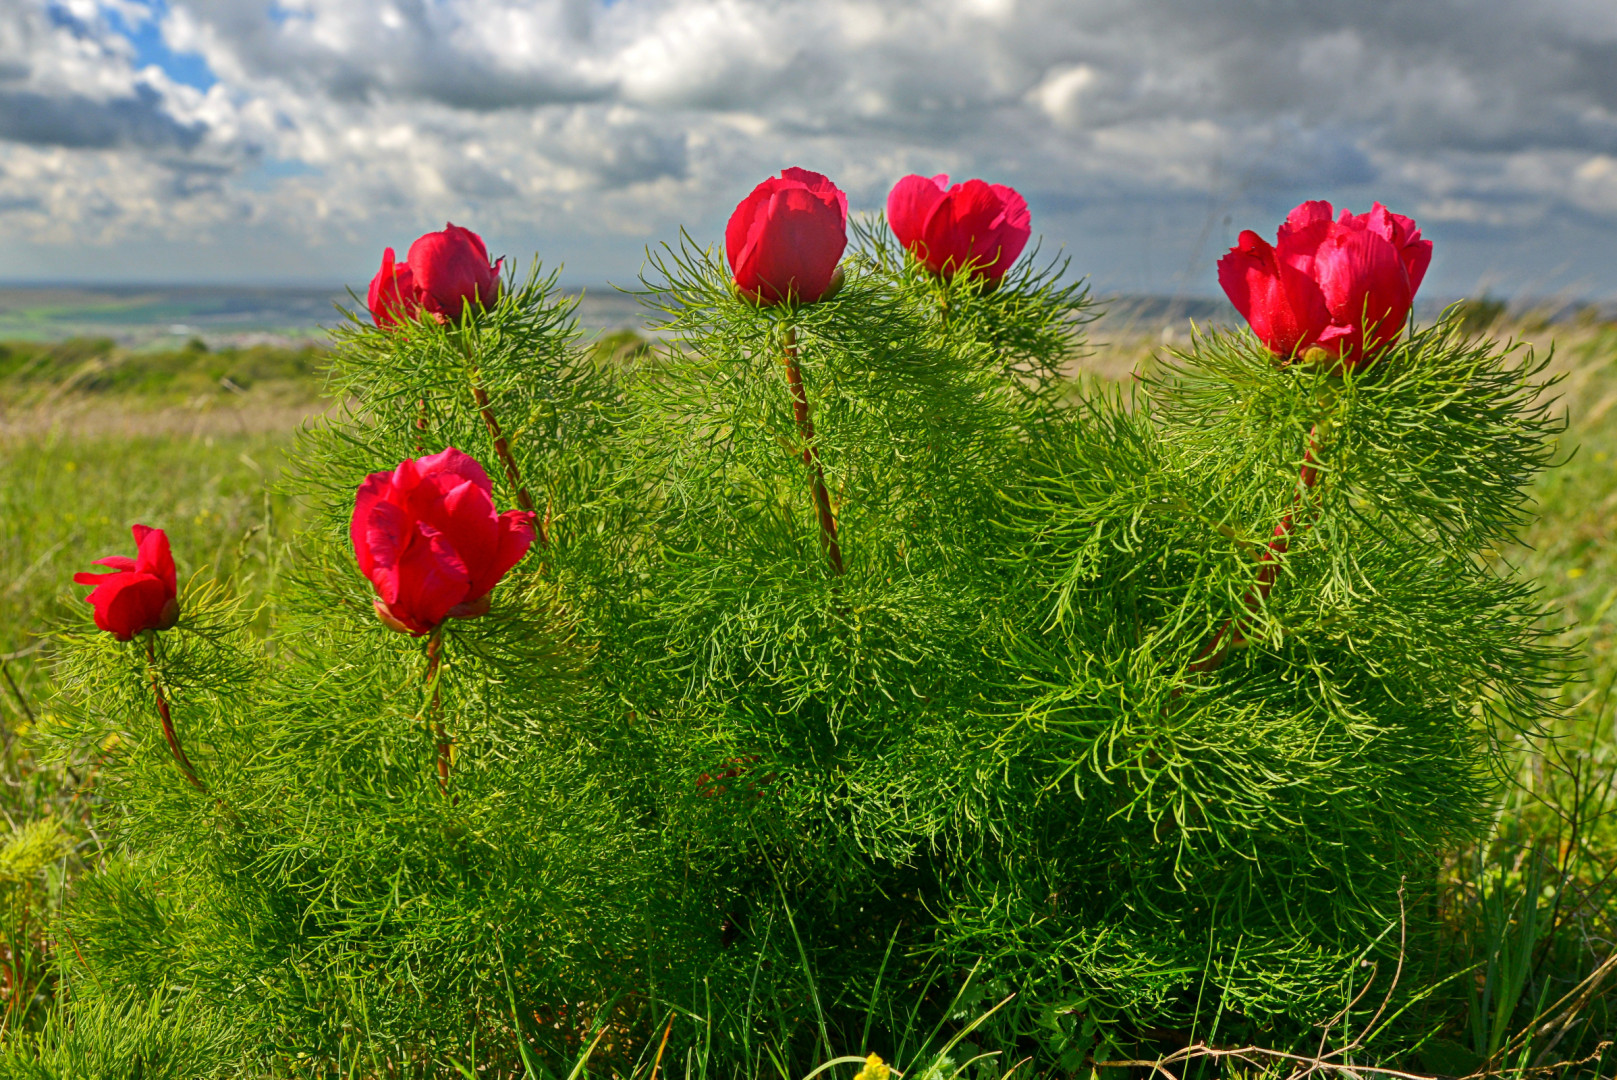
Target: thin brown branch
x,y
1574,1002
1256,1056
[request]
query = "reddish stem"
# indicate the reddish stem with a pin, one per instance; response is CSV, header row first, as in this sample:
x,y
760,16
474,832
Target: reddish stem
x,y
434,653
512,474
174,747
811,454
1233,632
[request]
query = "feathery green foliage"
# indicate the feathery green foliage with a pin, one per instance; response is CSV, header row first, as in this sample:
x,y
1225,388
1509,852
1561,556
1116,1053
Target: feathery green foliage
x,y
869,672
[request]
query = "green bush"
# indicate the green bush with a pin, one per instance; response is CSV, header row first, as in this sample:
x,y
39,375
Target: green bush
x,y
777,777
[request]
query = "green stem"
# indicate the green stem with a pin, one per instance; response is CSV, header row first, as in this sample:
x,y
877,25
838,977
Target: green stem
x,y
435,707
420,426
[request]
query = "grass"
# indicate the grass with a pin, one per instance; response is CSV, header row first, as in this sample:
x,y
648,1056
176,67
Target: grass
x,y
94,438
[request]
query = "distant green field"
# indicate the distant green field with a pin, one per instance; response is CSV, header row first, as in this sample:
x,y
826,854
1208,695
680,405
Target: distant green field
x,y
31,371
135,314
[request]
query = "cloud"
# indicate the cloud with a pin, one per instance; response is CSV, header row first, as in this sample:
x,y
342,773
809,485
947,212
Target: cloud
x,y
479,56
71,120
569,120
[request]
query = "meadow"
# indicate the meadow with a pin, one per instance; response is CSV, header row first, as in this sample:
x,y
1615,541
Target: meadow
x,y
94,437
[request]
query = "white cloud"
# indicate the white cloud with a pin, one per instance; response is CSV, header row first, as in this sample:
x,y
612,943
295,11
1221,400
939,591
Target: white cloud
x,y
333,121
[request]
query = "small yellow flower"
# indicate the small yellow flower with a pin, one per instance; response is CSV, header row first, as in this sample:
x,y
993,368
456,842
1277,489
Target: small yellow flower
x,y
875,1069
1575,573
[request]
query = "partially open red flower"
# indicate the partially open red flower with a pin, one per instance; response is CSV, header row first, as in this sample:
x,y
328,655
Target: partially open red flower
x,y
428,538
139,594
451,269
973,224
443,272
1343,286
784,240
392,293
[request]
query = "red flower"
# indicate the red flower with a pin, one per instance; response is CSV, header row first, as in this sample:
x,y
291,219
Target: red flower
x,y
1343,286
392,295
139,594
444,270
975,224
784,240
427,537
451,267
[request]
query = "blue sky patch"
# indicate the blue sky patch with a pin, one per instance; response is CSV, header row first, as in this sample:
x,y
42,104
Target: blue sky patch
x,y
150,48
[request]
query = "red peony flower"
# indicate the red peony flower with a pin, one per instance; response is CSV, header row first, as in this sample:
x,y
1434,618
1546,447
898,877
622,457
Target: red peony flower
x,y
392,294
975,224
427,537
451,268
1343,286
784,240
139,594
444,270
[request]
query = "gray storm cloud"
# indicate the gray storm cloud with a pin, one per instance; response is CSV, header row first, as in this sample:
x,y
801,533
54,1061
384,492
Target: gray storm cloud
x,y
635,116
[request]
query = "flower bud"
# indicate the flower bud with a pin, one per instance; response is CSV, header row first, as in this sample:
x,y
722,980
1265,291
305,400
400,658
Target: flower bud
x,y
451,269
444,272
784,240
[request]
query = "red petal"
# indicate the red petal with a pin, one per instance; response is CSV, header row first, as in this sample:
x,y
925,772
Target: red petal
x,y
1015,229
1366,288
386,531
516,536
153,556
451,268
971,226
131,605
465,518
1415,253
377,488
455,462
1247,273
738,231
910,202
956,223
794,249
392,293
431,579
820,185
1282,305
1303,215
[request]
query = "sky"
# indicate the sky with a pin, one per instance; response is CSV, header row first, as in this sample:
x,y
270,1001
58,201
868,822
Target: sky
x,y
288,141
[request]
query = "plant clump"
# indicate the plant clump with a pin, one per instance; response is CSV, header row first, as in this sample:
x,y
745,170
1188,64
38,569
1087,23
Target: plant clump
x,y
844,677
